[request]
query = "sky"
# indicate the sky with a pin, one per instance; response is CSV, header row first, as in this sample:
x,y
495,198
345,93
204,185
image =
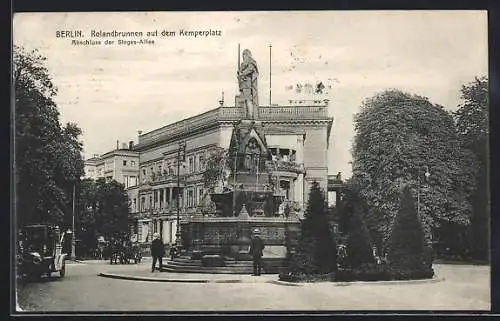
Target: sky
x,y
112,91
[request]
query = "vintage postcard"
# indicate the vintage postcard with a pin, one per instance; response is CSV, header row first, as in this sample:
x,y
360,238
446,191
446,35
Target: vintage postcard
x,y
206,161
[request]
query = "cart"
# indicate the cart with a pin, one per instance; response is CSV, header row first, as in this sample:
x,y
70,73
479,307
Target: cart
x,y
41,251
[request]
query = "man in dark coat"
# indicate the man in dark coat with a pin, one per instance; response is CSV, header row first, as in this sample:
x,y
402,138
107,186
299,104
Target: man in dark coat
x,y
256,248
157,251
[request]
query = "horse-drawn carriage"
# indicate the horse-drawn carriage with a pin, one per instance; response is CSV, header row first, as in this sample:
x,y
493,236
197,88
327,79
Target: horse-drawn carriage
x,y
124,252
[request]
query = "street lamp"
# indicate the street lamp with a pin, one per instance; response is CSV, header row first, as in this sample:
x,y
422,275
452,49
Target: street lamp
x,y
180,156
70,232
73,238
427,175
236,146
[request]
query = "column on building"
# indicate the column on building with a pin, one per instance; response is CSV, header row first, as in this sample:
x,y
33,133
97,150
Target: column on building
x,y
170,202
166,231
174,231
299,183
144,230
165,198
151,230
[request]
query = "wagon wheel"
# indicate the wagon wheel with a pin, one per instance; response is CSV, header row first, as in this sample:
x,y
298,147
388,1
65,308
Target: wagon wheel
x,y
62,272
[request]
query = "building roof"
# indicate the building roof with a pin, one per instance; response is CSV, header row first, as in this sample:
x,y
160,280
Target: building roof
x,y
266,114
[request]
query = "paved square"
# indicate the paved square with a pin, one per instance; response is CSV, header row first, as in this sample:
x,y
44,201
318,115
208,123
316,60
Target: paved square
x,y
466,287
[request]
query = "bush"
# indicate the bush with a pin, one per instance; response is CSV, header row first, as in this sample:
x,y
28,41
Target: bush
x,y
361,275
406,243
359,249
407,274
302,277
316,253
366,273
382,273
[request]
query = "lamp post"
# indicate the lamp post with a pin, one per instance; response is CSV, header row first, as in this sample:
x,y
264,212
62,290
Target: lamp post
x,y
70,232
427,174
73,237
180,156
236,146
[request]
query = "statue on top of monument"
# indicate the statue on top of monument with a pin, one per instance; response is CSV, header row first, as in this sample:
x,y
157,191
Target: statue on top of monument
x,y
247,81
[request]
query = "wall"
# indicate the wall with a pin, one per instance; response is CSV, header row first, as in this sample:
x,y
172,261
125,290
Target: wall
x,y
315,158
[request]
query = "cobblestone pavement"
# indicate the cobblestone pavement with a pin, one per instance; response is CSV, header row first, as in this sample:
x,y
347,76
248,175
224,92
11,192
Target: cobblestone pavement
x,y
465,287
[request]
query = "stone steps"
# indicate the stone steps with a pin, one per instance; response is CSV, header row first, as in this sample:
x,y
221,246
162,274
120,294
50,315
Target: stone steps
x,y
186,265
207,270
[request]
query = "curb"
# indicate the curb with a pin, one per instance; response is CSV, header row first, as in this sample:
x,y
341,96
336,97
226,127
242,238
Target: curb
x,y
155,279
433,280
285,283
277,282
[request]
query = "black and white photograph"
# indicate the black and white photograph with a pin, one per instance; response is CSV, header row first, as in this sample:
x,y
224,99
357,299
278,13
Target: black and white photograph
x,y
250,161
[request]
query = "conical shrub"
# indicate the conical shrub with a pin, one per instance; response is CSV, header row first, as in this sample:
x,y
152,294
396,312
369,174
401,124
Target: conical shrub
x,y
406,243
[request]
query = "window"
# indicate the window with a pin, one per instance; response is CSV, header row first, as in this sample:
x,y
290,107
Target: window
x,y
143,203
134,206
190,200
161,197
191,164
143,174
201,162
155,193
132,163
200,195
124,163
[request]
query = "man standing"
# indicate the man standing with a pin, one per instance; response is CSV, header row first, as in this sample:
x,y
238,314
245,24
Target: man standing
x,y
157,251
256,248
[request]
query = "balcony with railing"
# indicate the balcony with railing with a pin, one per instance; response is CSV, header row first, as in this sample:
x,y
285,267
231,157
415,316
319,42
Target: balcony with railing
x,y
284,166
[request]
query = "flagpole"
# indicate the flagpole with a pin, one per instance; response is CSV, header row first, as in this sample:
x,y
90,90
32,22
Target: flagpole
x,y
239,63
270,78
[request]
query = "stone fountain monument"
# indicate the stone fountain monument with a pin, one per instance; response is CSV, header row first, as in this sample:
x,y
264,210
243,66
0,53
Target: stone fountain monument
x,y
251,201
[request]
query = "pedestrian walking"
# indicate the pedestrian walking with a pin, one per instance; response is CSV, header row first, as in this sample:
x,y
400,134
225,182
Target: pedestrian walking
x,y
256,248
157,251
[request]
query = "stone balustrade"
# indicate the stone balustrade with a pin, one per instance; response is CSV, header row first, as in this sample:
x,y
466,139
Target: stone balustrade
x,y
284,166
293,113
212,117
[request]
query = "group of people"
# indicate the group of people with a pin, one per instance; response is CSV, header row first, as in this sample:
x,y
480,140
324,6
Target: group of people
x,y
256,251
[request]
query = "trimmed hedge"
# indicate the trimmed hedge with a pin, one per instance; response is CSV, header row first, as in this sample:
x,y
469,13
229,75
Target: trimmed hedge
x,y
380,273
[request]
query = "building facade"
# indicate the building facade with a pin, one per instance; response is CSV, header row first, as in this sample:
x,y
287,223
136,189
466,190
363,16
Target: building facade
x,y
121,164
297,136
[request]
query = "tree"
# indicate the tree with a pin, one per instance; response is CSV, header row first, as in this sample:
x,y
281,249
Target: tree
x,y
406,244
398,137
216,171
359,245
317,249
112,210
103,210
471,121
47,158
87,212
